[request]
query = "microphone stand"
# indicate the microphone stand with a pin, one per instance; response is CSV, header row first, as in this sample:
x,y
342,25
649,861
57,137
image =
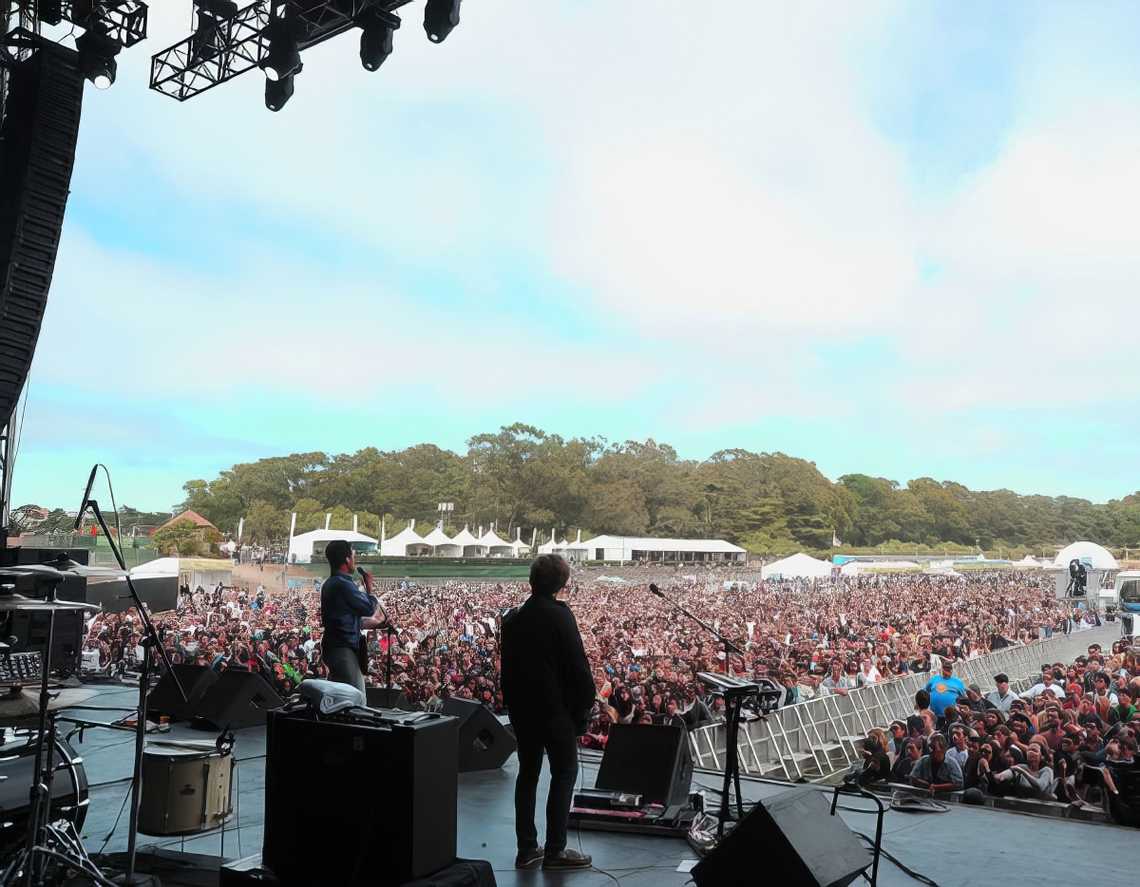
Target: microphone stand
x,y
150,642
733,704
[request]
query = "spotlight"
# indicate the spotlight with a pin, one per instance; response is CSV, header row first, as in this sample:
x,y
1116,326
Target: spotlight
x,y
376,34
278,92
97,54
282,58
440,18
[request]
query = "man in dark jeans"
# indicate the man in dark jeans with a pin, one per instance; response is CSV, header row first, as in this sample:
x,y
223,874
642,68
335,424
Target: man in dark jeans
x,y
549,691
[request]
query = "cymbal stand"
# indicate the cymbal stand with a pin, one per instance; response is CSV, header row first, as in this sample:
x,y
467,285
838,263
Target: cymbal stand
x,y
47,842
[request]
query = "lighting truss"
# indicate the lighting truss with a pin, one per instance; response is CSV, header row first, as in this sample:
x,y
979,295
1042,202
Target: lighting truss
x,y
124,21
203,60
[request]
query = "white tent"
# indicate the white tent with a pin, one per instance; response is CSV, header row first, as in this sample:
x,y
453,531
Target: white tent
x,y
577,550
495,546
518,547
1031,562
304,546
552,547
468,544
1101,557
797,566
441,544
406,543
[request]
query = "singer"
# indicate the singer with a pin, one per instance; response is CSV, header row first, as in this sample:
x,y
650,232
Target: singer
x,y
549,690
345,611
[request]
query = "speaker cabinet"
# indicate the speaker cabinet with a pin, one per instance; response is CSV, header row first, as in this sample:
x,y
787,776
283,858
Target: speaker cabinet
x,y
238,699
791,840
650,760
385,697
484,743
348,803
165,699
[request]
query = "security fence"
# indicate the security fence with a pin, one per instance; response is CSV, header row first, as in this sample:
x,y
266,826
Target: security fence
x,y
818,737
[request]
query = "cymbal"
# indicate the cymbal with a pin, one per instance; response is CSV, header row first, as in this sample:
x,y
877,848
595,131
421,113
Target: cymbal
x,y
22,708
9,602
62,570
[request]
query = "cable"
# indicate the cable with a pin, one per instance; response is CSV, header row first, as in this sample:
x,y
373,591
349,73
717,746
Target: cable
x,y
918,876
122,807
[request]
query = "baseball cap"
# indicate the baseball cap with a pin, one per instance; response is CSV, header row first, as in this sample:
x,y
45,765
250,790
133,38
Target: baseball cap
x,y
1001,678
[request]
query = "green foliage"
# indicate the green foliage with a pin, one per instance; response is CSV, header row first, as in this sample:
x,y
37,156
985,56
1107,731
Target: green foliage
x,y
183,538
522,476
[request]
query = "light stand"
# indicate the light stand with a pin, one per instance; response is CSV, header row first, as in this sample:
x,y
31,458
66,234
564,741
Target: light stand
x,y
150,642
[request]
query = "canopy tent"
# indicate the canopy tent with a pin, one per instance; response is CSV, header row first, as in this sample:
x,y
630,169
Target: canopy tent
x,y
856,568
468,544
441,544
1100,556
518,547
1031,562
406,543
797,566
577,550
553,546
495,546
305,546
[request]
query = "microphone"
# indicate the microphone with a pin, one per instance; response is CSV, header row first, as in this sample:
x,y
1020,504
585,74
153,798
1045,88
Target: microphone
x,y
364,574
86,497
653,589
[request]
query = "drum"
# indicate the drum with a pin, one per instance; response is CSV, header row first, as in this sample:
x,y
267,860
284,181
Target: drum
x,y
68,789
185,791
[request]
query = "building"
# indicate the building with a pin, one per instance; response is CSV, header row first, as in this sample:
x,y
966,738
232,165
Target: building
x,y
642,548
304,548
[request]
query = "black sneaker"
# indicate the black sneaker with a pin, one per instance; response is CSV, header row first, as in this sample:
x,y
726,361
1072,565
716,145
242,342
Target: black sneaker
x,y
566,859
528,859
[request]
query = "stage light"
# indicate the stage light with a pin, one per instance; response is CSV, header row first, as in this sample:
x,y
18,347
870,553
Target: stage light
x,y
440,18
376,34
278,92
97,57
282,58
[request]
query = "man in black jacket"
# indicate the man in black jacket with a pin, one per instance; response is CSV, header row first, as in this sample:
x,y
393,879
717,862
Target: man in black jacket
x,y
549,691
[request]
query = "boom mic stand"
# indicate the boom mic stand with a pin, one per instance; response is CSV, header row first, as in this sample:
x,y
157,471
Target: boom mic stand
x,y
150,643
729,646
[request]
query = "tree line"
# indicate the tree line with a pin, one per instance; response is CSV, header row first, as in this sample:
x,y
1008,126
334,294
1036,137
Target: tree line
x,y
521,476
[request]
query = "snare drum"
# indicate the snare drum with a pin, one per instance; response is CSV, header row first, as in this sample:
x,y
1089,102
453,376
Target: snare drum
x,y
68,787
185,791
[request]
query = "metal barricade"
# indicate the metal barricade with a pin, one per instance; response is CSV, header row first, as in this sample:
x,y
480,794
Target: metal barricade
x,y
818,737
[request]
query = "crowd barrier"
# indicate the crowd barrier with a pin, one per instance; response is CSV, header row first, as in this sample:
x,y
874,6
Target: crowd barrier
x,y
819,737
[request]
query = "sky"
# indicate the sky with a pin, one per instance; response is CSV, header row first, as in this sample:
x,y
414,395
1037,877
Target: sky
x,y
893,238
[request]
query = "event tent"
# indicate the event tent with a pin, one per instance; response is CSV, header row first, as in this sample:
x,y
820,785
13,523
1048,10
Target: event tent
x,y
552,547
441,544
406,543
1031,562
1100,556
495,546
518,547
468,544
304,546
797,566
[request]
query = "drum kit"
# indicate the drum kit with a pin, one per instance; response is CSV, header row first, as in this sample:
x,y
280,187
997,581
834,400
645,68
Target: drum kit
x,y
43,787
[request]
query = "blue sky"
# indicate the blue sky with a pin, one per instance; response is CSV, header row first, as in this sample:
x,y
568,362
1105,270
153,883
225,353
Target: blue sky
x,y
887,237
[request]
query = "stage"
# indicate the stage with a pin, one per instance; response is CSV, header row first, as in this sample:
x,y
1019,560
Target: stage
x,y
965,846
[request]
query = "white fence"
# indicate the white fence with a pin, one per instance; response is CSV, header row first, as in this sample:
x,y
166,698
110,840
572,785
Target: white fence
x,y
820,736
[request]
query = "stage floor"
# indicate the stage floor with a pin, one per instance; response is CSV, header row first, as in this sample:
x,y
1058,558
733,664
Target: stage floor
x,y
966,846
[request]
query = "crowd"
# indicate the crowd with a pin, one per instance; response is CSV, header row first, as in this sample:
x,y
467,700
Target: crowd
x,y
1071,737
809,637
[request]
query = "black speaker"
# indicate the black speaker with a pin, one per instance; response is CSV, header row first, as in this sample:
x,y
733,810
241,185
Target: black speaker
x,y
651,760
238,699
348,802
803,846
484,743
165,699
383,697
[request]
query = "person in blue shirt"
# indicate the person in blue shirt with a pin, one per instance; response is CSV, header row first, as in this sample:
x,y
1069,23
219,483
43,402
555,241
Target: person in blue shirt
x,y
345,612
944,689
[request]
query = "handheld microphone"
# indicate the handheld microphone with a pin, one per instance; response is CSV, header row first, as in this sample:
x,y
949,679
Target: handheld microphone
x,y
653,589
86,497
364,574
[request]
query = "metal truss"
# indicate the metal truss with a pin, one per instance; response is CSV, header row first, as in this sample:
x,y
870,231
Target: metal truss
x,y
124,21
221,49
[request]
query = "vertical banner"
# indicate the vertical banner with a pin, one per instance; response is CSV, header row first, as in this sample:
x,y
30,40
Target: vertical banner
x,y
241,525
354,524
328,519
